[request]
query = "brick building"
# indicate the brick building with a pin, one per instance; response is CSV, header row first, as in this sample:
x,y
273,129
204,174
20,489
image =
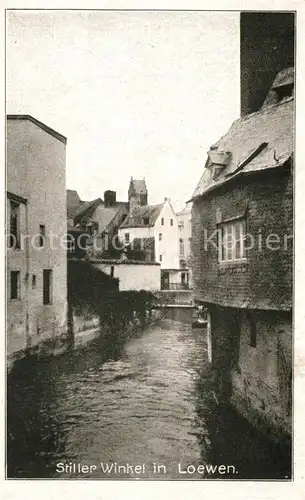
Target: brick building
x,y
36,229
242,220
266,47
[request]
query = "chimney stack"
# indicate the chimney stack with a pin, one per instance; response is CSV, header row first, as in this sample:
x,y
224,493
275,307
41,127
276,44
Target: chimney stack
x,y
109,198
266,47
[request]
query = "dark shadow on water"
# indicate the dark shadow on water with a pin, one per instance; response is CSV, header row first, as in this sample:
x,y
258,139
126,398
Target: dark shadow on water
x,y
33,436
36,436
229,439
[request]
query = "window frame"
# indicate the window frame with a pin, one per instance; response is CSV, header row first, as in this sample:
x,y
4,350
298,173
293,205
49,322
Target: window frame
x,y
14,206
162,221
160,236
172,222
127,238
181,247
16,296
42,235
49,273
252,330
227,253
34,281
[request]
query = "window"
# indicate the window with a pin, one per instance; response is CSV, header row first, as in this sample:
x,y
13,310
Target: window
x,y
111,271
14,236
181,244
70,243
160,236
34,281
42,235
162,221
127,237
146,221
47,286
160,258
252,327
172,222
284,91
15,285
231,238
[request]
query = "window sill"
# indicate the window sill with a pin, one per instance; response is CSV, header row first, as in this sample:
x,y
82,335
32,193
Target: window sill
x,y
233,263
234,266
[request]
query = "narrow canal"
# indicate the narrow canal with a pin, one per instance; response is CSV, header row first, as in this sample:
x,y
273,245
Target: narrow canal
x,y
141,401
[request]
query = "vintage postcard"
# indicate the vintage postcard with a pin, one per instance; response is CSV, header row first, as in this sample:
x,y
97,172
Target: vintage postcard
x,y
150,211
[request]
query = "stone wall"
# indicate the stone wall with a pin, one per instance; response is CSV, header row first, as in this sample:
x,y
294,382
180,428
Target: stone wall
x,y
175,297
252,361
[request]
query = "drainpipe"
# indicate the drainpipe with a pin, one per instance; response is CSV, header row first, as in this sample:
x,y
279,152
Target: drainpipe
x,y
209,337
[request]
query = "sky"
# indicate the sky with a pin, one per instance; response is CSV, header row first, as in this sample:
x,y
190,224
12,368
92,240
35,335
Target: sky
x,y
142,94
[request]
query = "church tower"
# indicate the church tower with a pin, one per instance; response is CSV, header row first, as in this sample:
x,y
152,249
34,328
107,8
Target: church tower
x,y
137,193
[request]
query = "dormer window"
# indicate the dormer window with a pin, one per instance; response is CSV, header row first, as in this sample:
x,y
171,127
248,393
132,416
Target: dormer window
x,y
146,221
218,161
282,87
284,91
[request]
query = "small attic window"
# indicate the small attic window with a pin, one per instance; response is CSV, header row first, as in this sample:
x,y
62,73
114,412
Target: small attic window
x,y
284,91
218,161
146,221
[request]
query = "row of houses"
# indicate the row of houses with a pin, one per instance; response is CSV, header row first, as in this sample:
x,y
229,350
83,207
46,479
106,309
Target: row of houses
x,y
146,247
240,228
121,234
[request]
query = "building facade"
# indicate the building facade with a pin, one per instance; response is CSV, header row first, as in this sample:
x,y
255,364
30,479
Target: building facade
x,y
184,219
242,220
153,231
94,225
132,275
36,234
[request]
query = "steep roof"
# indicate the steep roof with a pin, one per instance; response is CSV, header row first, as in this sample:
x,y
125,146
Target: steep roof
x,y
86,209
186,210
107,214
255,142
135,218
39,124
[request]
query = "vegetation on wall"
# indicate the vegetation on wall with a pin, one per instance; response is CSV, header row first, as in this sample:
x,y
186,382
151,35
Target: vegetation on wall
x,y
92,292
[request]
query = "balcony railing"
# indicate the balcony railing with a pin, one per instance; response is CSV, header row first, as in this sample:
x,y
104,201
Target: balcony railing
x,y
175,286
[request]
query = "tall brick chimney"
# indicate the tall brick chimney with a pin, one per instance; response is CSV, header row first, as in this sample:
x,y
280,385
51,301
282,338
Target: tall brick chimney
x,y
109,198
266,47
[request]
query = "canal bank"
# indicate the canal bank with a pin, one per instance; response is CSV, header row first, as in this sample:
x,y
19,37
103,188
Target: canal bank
x,y
140,399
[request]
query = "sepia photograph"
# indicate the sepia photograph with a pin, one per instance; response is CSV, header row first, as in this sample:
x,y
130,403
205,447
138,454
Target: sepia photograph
x,y
149,244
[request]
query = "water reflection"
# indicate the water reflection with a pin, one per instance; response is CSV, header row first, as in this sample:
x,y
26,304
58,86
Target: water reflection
x,y
141,400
